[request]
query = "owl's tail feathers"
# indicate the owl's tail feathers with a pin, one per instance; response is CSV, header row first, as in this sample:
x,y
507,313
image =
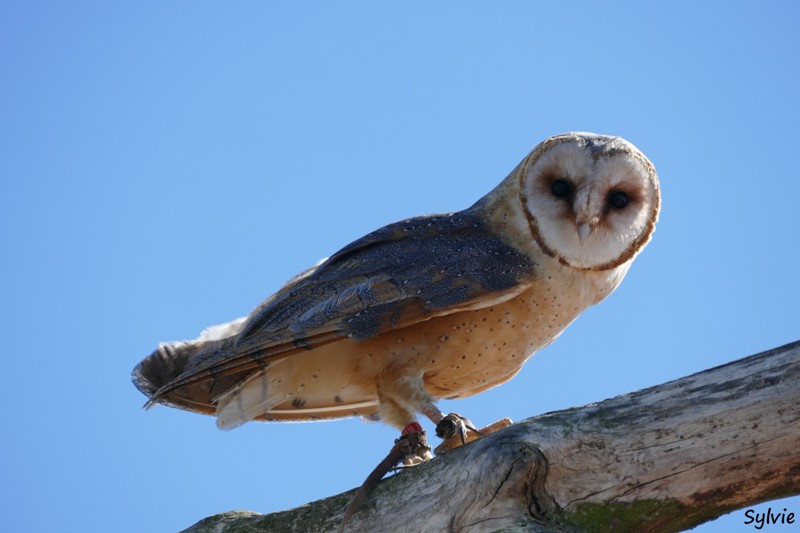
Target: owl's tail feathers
x,y
166,363
171,359
249,399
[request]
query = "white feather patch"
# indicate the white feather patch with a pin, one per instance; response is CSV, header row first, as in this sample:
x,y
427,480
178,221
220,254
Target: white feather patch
x,y
222,331
253,397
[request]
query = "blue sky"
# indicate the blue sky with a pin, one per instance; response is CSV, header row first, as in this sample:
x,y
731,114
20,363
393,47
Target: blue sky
x,y
164,166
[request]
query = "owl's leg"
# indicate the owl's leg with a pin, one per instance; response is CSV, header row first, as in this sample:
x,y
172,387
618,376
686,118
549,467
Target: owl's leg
x,y
407,393
400,397
395,410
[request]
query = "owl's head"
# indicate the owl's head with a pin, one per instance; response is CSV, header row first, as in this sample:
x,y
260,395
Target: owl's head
x,y
592,201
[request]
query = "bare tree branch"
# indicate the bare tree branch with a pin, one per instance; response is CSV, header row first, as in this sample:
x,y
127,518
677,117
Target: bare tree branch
x,y
662,459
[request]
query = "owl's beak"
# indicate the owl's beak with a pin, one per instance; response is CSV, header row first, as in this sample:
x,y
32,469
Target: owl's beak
x,y
584,230
586,227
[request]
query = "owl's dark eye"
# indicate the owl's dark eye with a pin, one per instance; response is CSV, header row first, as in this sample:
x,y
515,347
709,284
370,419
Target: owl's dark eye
x,y
561,188
618,200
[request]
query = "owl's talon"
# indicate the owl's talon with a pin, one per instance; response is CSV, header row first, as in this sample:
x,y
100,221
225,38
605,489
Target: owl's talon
x,y
453,424
462,431
413,445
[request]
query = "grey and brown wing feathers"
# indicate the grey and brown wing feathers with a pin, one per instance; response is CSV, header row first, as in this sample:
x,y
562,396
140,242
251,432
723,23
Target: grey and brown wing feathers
x,y
399,275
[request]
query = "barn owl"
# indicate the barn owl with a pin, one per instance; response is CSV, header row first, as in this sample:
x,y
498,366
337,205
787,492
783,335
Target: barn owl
x,y
433,307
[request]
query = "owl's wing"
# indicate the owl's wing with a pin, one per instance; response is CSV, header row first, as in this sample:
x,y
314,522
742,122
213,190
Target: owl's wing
x,y
399,275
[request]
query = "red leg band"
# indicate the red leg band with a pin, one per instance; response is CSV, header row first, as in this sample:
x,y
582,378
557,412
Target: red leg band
x,y
413,426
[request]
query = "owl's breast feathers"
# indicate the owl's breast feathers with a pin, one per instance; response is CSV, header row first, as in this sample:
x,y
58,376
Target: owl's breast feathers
x,y
396,279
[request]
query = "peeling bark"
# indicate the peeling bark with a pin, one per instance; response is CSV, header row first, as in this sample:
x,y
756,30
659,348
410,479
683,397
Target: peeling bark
x,y
665,458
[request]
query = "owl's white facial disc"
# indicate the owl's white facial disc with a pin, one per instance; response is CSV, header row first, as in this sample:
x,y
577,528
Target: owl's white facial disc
x,y
592,200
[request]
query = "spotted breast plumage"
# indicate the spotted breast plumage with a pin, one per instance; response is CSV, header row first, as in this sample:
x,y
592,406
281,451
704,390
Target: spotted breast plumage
x,y
439,306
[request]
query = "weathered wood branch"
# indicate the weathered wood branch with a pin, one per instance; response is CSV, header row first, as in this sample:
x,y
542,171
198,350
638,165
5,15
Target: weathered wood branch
x,y
662,459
